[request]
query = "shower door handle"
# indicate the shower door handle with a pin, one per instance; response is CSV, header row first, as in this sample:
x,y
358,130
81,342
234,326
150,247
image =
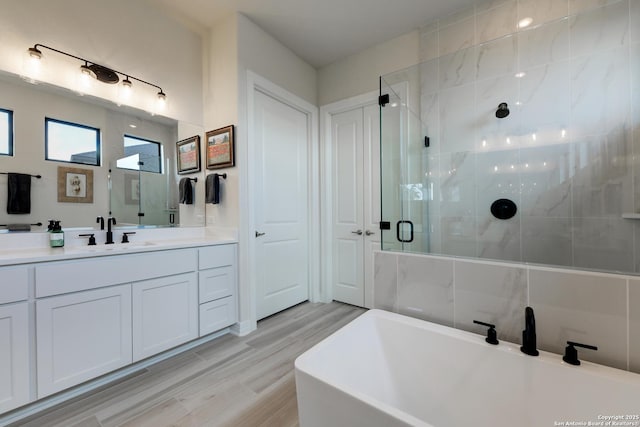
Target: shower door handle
x,y
400,231
358,232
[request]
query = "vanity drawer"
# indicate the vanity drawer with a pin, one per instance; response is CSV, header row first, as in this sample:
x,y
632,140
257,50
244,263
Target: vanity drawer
x,y
14,284
216,315
216,256
71,276
216,283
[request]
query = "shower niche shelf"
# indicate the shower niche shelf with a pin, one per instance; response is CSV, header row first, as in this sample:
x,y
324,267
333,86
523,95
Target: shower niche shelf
x,y
631,215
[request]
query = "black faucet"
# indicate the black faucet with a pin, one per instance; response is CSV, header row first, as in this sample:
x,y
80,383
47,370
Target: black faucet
x,y
100,220
110,221
529,333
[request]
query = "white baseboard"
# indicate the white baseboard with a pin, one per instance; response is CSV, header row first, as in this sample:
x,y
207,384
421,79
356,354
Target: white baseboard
x,y
243,328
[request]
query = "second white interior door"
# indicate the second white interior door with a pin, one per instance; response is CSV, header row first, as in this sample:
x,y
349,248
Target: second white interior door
x,y
356,203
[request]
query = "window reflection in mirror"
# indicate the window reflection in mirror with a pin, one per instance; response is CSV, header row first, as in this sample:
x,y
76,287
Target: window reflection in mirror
x,y
149,154
71,142
6,132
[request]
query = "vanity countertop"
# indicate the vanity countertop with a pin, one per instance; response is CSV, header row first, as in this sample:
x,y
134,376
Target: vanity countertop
x,y
148,242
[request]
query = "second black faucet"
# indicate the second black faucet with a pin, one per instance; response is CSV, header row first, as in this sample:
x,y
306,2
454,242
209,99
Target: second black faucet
x,y
110,221
529,333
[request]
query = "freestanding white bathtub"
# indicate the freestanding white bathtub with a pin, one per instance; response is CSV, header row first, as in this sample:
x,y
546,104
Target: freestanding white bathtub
x,y
384,369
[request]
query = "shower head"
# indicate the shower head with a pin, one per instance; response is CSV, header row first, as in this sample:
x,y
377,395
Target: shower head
x,y
502,111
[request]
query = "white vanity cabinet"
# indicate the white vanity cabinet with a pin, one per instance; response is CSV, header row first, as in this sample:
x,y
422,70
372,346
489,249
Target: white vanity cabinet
x,y
81,336
85,317
165,314
14,338
218,287
96,314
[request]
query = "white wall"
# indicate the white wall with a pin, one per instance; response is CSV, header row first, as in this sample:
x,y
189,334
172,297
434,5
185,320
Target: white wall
x,y
265,56
359,73
221,109
125,35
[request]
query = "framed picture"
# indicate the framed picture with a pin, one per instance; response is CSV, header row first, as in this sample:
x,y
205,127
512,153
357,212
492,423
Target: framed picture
x,y
131,189
188,155
75,185
220,147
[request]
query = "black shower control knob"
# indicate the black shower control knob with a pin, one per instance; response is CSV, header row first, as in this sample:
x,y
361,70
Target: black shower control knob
x,y
503,209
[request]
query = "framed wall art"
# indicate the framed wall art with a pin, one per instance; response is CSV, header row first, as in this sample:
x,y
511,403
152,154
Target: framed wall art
x,y
75,185
188,155
220,148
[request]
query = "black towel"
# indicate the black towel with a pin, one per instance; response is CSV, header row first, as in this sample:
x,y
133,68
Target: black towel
x,y
19,191
212,189
186,191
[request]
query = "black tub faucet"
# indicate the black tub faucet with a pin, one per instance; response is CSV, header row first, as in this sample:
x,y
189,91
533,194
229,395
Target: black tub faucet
x,y
529,333
110,221
100,220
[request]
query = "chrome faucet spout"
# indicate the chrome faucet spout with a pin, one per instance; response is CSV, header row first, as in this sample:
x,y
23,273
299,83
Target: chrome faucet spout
x,y
529,333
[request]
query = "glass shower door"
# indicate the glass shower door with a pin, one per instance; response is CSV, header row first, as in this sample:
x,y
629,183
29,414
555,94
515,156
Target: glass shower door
x,y
404,186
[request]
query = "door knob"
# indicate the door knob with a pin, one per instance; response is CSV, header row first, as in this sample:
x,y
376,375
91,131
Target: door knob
x,y
258,234
369,233
358,232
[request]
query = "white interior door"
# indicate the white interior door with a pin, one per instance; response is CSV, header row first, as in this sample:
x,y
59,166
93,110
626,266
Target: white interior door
x,y
356,203
281,135
348,205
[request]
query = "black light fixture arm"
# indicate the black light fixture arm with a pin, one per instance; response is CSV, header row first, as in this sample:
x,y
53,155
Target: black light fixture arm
x,y
37,51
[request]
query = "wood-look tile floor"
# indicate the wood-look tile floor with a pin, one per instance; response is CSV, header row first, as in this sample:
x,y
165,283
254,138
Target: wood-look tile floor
x,y
230,381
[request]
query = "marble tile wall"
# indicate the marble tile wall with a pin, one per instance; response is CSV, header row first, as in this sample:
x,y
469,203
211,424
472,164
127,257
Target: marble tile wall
x,y
588,307
569,152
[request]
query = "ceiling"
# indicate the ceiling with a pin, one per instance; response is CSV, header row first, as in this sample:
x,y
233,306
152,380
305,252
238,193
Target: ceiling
x,y
320,31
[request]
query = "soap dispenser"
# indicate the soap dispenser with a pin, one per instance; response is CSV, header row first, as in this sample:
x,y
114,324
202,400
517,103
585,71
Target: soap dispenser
x,y
56,235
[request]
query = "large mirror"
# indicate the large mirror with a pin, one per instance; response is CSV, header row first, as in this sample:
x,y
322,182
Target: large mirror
x,y
136,195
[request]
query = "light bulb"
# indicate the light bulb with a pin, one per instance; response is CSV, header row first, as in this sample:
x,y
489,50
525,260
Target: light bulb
x,y
161,103
85,78
32,65
125,90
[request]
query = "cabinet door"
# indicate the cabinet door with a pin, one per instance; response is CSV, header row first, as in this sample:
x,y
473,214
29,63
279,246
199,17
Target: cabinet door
x,y
14,356
165,314
81,336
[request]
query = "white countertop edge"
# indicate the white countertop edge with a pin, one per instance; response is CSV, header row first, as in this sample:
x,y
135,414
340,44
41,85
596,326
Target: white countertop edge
x,y
148,243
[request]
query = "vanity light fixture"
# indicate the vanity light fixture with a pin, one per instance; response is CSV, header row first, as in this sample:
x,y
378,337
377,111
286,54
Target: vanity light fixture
x,y
99,72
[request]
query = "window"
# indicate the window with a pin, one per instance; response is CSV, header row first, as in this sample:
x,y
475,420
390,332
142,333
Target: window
x,y
71,142
149,153
6,132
